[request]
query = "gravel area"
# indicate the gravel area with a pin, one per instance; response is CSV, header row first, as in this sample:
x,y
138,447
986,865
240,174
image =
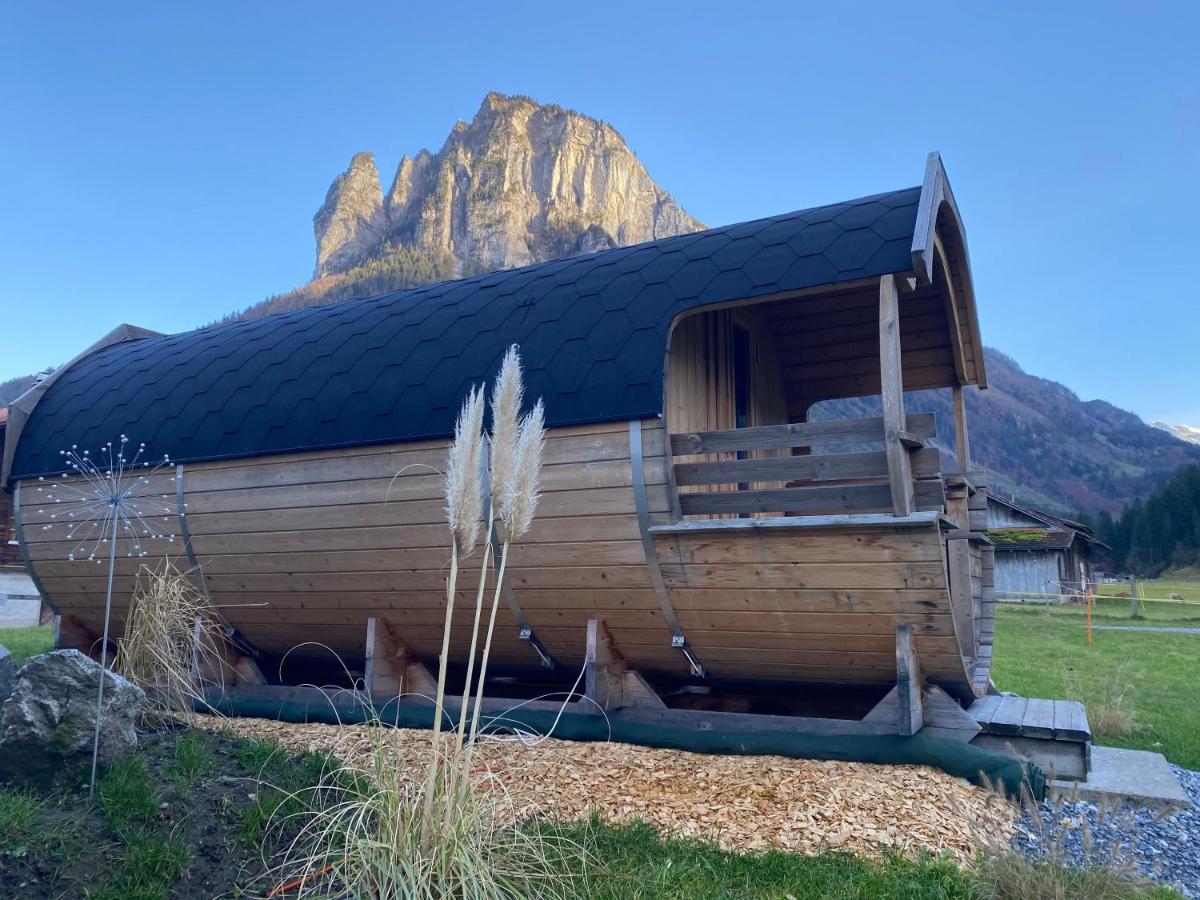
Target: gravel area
x,y
1164,849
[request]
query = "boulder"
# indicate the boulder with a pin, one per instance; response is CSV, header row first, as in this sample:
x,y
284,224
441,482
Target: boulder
x,y
8,673
49,718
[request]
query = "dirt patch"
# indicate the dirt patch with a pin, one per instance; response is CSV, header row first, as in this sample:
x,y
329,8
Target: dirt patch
x,y
739,802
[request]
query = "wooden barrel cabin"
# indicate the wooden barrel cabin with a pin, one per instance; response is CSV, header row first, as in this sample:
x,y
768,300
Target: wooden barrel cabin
x,y
691,504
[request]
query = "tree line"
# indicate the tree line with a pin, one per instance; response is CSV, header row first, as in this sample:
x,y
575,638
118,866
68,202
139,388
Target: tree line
x,y
1159,533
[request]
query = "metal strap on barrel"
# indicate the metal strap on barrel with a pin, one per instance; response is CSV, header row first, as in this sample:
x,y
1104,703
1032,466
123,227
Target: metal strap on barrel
x,y
23,546
526,632
678,639
231,634
184,534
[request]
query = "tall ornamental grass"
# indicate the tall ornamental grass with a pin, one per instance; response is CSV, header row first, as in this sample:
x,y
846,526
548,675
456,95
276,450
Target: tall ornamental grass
x,y
385,831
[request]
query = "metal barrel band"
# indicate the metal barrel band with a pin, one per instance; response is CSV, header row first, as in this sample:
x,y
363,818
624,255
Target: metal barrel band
x,y
525,630
678,638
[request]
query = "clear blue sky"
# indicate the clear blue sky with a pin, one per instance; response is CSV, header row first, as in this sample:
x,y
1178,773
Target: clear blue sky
x,y
161,162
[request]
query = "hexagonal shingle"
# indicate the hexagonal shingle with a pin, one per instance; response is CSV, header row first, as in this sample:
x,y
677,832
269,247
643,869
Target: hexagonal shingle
x,y
394,368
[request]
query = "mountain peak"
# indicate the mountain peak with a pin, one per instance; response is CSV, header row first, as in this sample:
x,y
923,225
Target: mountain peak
x,y
351,221
1188,433
522,182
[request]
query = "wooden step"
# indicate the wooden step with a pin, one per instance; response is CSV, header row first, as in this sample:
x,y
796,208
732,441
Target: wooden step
x,y
1063,720
1054,734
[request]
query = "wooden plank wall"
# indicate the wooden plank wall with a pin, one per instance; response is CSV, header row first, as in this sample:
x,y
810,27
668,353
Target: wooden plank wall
x,y
828,345
815,605
949,277
306,547
700,382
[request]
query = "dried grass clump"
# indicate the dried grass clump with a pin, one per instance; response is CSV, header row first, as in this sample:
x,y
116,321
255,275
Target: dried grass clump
x,y
1012,876
1003,873
361,834
1110,708
170,637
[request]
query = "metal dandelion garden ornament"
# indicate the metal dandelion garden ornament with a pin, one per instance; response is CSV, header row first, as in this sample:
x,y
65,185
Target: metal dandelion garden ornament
x,y
98,503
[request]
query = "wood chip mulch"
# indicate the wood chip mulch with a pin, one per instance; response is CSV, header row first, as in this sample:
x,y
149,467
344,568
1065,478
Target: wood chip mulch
x,y
742,803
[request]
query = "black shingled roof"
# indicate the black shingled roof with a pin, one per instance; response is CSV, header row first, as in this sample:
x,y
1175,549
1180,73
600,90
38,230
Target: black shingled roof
x,y
592,331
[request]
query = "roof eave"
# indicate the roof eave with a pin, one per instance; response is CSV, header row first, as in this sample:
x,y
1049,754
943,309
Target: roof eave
x,y
21,409
937,197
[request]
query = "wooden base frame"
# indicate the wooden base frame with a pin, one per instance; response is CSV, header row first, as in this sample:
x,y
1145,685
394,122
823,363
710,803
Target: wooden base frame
x,y
229,667
609,683
912,706
390,669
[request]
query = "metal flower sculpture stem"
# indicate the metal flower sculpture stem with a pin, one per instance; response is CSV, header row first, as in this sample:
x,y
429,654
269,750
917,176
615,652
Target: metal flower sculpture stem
x,y
102,501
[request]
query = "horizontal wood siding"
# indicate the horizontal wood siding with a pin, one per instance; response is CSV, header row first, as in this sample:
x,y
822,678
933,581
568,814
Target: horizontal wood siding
x,y
813,605
299,552
306,547
828,346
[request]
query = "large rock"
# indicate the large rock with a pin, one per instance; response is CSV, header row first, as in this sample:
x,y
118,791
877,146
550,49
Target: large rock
x,y
50,717
8,673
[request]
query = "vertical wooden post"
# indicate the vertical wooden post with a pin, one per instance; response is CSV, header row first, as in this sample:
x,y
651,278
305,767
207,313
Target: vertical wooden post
x,y
892,391
910,714
602,669
962,446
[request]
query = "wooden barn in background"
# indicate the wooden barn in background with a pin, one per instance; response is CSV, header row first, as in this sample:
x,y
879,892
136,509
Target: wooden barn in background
x,y
693,523
1038,555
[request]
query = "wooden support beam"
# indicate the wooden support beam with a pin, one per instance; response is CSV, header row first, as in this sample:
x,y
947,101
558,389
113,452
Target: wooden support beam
x,y
910,714
71,634
608,683
215,660
942,715
390,669
895,426
962,446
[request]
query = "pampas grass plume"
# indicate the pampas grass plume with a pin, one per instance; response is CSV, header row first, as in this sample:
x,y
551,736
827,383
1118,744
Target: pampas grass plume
x,y
531,444
506,414
464,488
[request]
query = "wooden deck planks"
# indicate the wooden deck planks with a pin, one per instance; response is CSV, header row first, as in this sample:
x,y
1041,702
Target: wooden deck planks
x,y
1031,717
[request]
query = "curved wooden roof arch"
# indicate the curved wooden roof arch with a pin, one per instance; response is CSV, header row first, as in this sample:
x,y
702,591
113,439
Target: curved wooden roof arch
x,y
939,249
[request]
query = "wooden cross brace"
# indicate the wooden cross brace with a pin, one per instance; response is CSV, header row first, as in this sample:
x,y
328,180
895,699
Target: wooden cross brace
x,y
390,669
608,681
221,663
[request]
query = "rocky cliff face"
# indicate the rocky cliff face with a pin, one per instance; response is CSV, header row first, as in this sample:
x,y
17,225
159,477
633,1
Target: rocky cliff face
x,y
520,183
351,222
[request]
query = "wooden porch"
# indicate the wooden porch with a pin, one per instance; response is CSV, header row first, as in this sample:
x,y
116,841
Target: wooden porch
x,y
840,533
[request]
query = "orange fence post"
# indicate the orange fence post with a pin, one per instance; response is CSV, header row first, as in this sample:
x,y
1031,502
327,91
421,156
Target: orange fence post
x,y
1091,598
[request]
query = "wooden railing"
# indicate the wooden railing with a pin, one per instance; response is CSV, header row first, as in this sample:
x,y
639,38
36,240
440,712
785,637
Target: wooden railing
x,y
814,484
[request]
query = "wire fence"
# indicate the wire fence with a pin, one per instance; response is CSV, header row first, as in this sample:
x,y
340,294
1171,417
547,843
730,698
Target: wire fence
x,y
1066,597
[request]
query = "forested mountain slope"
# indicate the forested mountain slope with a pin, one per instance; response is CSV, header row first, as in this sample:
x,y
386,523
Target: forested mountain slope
x,y
1045,446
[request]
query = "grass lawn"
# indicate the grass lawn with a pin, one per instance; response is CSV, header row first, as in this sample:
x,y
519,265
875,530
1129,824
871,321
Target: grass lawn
x,y
1187,587
1043,652
23,643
